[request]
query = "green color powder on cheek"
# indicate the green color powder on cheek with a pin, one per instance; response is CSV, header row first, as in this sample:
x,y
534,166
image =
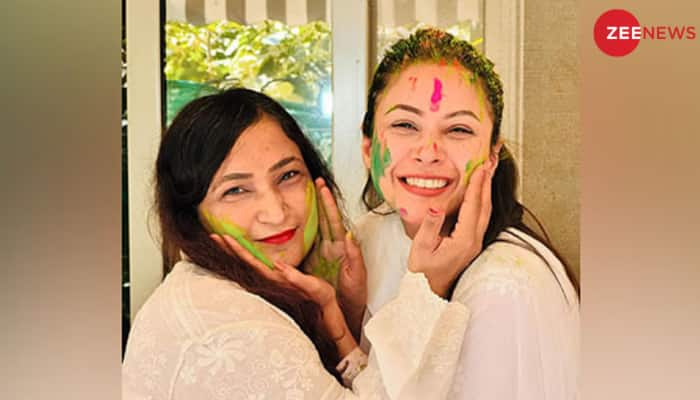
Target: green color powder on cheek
x,y
380,159
470,167
311,226
222,227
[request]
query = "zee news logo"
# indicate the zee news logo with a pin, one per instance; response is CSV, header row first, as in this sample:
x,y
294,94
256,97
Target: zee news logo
x,y
618,32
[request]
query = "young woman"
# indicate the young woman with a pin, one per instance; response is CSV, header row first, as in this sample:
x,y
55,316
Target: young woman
x,y
431,136
236,319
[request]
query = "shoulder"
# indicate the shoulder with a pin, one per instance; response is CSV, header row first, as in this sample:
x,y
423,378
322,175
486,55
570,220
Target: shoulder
x,y
196,301
517,266
245,358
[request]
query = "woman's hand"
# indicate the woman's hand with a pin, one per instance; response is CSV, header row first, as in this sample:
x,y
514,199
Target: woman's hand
x,y
339,259
313,288
443,259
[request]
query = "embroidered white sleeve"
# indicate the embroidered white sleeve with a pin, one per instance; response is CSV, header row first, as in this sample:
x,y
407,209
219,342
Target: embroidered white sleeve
x,y
416,339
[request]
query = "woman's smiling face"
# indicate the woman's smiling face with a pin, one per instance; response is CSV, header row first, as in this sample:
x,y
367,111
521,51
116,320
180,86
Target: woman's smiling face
x,y
263,196
432,128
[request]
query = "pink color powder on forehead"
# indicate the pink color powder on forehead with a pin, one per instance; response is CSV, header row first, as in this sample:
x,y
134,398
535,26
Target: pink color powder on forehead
x,y
437,95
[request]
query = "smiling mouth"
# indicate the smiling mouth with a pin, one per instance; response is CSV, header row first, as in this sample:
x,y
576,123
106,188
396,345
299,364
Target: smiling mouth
x,y
425,185
279,238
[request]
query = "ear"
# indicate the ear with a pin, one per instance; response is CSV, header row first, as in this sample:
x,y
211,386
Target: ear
x,y
494,157
366,149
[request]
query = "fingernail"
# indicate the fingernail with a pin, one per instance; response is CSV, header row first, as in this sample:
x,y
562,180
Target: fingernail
x,y
403,212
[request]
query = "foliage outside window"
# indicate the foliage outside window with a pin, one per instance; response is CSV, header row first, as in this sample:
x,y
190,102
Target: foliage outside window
x,y
291,64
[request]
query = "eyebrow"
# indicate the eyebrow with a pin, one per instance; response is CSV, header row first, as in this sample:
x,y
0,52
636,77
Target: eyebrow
x,y
462,112
404,107
281,163
240,175
418,112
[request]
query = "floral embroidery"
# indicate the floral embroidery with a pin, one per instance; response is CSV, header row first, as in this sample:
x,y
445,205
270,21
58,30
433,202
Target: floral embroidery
x,y
253,352
222,352
188,375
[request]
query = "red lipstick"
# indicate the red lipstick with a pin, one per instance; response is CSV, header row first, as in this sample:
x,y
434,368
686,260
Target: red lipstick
x,y
280,238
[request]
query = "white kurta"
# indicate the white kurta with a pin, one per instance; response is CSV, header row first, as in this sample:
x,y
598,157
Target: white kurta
x,y
522,340
203,337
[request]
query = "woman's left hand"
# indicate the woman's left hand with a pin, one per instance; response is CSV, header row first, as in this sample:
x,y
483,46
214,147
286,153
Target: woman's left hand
x,y
443,259
339,259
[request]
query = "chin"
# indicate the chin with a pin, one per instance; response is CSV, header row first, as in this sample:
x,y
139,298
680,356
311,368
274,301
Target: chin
x,y
288,254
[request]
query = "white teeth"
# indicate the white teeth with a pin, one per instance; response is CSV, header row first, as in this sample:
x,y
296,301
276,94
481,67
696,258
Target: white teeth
x,y
427,183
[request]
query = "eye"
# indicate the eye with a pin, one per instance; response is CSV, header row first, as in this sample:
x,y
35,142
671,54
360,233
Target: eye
x,y
236,190
404,125
289,175
462,130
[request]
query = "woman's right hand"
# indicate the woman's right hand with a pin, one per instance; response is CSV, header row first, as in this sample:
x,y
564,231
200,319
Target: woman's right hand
x,y
313,288
443,259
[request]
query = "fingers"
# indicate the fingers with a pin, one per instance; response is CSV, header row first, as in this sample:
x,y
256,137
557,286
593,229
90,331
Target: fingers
x,y
337,229
292,275
221,243
428,236
232,244
355,263
314,288
486,205
294,278
323,224
470,211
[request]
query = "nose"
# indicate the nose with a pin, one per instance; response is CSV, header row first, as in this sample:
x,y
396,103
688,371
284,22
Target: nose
x,y
430,152
271,208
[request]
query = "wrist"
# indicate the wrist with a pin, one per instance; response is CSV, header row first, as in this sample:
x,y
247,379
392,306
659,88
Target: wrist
x,y
352,306
337,329
345,344
333,320
439,286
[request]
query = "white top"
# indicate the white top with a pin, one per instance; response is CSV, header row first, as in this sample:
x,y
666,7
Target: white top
x,y
202,337
522,340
